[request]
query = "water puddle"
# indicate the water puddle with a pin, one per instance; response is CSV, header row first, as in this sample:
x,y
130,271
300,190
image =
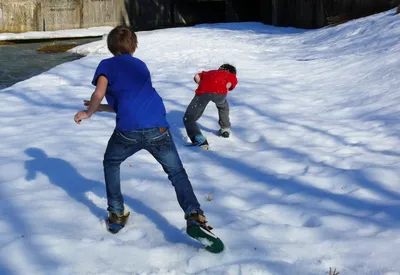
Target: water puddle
x,y
22,61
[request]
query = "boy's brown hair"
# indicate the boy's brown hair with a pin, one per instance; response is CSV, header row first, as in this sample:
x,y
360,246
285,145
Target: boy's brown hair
x,y
122,40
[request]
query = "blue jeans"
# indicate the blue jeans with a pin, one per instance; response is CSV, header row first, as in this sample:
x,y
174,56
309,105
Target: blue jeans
x,y
159,143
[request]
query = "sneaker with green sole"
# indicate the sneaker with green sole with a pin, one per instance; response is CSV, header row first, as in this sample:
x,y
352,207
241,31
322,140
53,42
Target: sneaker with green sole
x,y
198,229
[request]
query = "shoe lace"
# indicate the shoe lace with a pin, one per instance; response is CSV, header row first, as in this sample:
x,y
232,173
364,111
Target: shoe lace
x,y
201,220
200,139
119,219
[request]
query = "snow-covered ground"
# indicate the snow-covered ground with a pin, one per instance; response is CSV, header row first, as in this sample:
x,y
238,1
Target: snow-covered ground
x,y
309,180
75,33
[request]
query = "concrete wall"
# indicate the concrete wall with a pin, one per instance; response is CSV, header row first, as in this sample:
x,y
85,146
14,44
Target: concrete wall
x,y
40,15
149,14
61,14
318,13
49,15
20,16
96,13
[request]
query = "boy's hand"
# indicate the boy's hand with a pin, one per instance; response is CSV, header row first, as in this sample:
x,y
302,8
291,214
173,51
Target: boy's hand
x,y
80,116
197,78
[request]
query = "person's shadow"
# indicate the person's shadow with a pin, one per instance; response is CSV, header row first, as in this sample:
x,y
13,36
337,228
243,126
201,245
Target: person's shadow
x,y
62,174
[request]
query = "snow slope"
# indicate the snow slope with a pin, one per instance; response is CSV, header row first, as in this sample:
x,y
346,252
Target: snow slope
x,y
309,179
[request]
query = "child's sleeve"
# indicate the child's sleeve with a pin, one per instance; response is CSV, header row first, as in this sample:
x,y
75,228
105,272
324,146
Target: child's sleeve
x,y
201,75
102,69
233,80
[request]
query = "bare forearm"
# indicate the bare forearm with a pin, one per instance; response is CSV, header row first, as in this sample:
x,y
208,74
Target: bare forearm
x,y
95,101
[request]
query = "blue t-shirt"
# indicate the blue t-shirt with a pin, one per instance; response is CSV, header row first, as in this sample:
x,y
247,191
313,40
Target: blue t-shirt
x,y
131,94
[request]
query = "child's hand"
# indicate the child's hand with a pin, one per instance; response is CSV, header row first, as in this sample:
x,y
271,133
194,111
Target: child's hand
x,y
197,78
80,116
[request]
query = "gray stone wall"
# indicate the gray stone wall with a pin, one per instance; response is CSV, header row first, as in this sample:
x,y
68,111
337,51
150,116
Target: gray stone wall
x,y
149,14
319,13
50,15
20,16
96,13
61,14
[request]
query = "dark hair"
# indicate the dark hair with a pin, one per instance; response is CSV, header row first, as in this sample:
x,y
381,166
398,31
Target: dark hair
x,y
228,67
122,40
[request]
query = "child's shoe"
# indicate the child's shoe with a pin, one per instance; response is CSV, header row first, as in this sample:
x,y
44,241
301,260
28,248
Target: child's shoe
x,y
225,133
116,222
199,140
196,219
198,229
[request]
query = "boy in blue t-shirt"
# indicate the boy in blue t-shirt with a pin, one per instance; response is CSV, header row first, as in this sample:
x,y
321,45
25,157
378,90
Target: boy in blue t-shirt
x,y
140,124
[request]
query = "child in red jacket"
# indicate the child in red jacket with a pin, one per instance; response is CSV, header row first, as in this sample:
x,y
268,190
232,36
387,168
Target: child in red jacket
x,y
213,86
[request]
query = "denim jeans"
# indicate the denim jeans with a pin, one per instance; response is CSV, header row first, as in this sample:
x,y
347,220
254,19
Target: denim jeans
x,y
159,143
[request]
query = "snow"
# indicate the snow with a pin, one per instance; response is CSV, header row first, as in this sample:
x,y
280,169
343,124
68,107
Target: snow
x,y
309,179
73,33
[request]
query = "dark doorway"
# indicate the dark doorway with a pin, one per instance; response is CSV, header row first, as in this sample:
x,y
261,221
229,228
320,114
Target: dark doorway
x,y
211,11
194,12
249,10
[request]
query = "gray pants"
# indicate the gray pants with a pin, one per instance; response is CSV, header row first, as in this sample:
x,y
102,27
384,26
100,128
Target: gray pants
x,y
196,108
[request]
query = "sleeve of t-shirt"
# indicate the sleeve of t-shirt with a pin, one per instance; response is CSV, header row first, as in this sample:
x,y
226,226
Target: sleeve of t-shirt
x,y
102,69
233,80
201,75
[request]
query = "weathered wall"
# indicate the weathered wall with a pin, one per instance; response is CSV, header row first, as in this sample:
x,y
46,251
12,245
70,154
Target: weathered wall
x,y
49,15
197,12
149,14
318,13
348,9
61,14
96,13
39,15
20,16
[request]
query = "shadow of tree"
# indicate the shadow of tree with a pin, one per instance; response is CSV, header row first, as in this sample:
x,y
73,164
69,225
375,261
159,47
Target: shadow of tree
x,y
339,139
292,186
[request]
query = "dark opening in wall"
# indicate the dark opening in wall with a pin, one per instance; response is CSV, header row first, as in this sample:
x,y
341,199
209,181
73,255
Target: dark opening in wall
x,y
211,11
194,12
249,10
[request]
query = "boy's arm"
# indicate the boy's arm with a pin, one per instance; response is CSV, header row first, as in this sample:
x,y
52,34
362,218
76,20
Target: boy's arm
x,y
197,78
101,108
97,95
232,83
95,100
106,108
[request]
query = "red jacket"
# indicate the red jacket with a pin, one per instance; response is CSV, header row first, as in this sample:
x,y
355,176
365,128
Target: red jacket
x,y
215,82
